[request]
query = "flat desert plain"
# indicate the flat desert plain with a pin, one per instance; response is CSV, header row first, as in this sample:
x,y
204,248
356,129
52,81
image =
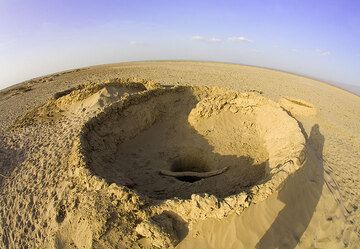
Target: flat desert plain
x,y
178,154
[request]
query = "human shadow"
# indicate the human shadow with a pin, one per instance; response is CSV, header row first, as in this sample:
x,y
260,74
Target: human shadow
x,y
300,194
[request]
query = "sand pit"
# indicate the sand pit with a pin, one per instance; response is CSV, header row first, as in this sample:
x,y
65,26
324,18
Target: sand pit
x,y
193,152
181,141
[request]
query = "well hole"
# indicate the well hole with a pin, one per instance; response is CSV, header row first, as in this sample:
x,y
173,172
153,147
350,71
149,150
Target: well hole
x,y
189,164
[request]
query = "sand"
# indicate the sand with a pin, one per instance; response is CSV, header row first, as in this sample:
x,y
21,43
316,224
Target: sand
x,y
178,154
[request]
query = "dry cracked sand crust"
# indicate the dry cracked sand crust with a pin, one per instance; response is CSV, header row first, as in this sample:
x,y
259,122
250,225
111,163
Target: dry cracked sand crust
x,y
178,154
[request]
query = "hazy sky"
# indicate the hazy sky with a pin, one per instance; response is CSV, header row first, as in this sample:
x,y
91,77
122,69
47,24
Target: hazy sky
x,y
316,38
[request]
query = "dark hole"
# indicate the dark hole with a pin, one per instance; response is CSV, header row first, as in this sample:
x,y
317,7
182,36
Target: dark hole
x,y
60,217
190,179
189,164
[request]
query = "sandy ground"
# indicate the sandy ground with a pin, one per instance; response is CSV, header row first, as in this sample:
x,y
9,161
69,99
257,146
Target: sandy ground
x,y
111,164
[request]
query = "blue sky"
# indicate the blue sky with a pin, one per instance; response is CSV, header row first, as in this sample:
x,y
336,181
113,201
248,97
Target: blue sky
x,y
315,38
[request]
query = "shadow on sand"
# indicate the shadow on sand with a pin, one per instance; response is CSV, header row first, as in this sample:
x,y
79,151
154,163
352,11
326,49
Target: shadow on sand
x,y
9,159
300,194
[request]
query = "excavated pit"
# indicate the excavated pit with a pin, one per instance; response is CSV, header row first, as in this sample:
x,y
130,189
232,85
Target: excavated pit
x,y
179,141
175,155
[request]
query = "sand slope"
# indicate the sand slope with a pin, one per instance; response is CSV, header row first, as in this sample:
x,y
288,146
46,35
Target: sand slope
x,y
51,195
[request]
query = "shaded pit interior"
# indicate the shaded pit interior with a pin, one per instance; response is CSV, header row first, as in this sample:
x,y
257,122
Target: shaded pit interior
x,y
189,164
129,146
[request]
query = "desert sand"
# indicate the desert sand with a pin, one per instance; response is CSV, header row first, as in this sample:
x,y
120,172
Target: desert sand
x,y
178,154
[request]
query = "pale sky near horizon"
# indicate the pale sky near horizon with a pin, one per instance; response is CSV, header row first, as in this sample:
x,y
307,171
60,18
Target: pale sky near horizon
x,y
316,38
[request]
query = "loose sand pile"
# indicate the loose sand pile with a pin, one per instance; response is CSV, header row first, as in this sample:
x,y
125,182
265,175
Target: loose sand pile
x,y
135,164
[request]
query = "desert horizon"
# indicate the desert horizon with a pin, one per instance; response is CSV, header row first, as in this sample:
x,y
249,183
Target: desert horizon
x,y
347,87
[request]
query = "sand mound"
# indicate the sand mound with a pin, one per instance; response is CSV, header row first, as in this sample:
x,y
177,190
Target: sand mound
x,y
297,107
82,100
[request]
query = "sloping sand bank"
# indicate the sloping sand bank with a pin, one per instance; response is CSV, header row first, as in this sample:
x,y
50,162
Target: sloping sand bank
x,y
135,164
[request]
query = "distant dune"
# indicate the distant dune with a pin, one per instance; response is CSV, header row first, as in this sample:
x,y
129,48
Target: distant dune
x,y
351,88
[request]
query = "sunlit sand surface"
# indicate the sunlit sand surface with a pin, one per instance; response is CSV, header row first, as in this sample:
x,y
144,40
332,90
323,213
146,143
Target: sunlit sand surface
x,y
178,154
